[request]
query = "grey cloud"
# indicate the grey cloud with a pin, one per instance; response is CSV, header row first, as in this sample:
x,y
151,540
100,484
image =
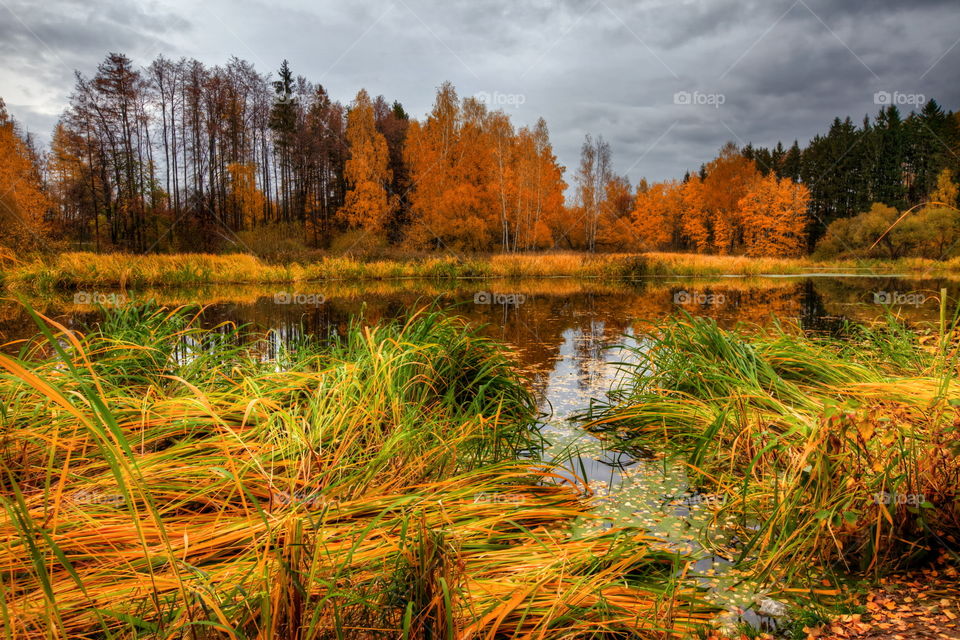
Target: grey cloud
x,y
608,67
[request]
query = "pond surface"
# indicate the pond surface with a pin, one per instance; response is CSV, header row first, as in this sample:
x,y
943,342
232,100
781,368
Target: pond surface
x,y
563,333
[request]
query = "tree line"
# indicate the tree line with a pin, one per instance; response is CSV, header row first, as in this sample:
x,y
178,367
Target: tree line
x,y
182,156
891,160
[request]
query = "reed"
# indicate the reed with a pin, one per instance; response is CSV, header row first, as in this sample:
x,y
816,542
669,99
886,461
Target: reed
x,y
79,270
164,480
828,451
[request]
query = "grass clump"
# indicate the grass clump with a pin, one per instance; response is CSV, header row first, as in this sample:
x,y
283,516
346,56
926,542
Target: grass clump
x,y
829,451
158,479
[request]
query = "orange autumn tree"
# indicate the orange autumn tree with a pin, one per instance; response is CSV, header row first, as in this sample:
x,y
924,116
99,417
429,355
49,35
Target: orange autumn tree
x,y
696,223
656,216
506,188
770,218
775,218
474,191
245,198
728,179
480,184
70,187
366,205
529,184
23,203
448,203
614,227
548,186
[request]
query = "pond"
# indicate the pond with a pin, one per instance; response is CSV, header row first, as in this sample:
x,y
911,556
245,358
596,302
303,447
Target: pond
x,y
563,333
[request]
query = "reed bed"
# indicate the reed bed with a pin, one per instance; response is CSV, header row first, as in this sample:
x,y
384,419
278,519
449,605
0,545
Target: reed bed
x,y
79,270
829,452
703,265
161,480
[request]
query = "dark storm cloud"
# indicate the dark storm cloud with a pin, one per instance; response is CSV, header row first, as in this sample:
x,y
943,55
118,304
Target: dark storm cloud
x,y
783,68
43,43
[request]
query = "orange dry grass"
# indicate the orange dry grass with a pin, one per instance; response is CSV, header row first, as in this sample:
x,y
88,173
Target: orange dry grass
x,y
355,492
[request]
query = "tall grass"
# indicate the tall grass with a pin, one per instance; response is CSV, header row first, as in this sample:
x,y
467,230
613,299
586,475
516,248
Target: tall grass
x,y
829,451
161,480
702,265
76,270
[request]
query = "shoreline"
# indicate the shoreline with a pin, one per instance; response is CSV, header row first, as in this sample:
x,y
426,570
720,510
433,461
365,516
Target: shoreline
x,y
72,270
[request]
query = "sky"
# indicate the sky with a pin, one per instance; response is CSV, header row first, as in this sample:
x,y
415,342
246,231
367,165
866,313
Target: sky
x,y
665,82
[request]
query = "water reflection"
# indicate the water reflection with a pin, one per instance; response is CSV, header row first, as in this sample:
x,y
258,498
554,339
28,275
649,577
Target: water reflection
x,y
534,317
562,333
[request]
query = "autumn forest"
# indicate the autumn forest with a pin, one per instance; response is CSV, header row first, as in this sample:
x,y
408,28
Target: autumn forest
x,y
513,319
180,156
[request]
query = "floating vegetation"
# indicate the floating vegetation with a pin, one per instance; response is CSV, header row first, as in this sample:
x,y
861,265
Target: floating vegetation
x,y
829,452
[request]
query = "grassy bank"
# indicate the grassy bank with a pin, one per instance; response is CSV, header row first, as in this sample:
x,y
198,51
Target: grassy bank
x,y
695,265
827,452
77,270
159,480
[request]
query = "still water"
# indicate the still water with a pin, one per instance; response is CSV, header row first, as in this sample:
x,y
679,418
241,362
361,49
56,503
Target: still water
x,y
564,335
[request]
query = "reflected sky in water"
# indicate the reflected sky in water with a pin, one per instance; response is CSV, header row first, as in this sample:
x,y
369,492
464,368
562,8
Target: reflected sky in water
x,y
562,333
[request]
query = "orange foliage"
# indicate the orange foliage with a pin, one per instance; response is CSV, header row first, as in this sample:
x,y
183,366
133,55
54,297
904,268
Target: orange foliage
x,y
366,205
614,228
729,177
248,201
656,215
479,183
732,210
22,201
775,217
695,221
